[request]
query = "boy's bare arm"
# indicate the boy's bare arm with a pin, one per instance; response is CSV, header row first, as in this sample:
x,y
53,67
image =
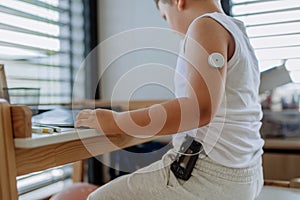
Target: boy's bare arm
x,y
205,92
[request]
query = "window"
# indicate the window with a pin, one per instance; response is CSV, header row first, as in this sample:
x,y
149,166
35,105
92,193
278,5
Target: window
x,y
274,30
42,45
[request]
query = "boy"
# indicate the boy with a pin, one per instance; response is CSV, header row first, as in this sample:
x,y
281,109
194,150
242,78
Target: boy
x,y
216,105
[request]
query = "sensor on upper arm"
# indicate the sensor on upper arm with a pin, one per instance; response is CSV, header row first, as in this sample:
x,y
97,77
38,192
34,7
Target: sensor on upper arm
x,y
216,60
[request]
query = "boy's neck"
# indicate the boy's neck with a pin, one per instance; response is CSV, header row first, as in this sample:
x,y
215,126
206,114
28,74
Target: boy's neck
x,y
195,10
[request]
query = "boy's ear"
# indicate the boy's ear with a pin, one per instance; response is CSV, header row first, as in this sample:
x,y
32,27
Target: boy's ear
x,y
180,4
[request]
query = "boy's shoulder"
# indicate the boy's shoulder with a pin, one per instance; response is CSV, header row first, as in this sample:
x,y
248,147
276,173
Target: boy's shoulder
x,y
208,22
210,33
207,26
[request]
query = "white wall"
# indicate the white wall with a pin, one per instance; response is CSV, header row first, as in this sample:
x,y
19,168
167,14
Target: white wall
x,y
123,79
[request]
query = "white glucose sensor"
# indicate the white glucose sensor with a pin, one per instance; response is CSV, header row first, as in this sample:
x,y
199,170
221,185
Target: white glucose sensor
x,y
216,60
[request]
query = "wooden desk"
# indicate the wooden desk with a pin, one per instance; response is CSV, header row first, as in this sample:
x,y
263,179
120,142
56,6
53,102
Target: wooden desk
x,y
21,156
39,153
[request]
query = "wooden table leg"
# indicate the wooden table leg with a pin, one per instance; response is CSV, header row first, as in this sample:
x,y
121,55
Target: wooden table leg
x,y
78,171
8,172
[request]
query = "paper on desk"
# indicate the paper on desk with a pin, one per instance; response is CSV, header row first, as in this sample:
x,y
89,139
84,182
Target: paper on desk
x,y
58,117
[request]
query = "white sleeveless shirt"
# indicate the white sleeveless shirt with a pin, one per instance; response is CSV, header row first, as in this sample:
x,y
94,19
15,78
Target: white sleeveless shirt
x,y
232,137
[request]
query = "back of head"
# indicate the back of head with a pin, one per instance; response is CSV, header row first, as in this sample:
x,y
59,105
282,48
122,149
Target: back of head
x,y
170,1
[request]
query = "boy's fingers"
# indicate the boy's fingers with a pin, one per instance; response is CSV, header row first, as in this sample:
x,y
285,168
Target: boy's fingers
x,y
82,123
85,111
84,114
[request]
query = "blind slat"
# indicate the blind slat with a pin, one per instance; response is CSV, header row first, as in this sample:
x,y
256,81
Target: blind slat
x,y
273,23
274,35
40,50
268,12
247,2
37,79
45,5
35,64
278,47
27,31
15,12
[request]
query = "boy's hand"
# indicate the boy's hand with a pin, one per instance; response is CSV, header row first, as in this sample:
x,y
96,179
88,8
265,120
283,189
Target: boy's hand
x,y
102,120
87,119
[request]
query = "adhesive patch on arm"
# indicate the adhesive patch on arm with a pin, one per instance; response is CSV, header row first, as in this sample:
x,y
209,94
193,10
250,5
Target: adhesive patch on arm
x,y
216,60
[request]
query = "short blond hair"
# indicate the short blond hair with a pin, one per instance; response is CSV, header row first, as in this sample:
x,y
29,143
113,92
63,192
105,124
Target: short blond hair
x,y
163,1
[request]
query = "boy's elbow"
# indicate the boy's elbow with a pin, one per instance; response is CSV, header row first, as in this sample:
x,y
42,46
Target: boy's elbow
x,y
205,117
197,116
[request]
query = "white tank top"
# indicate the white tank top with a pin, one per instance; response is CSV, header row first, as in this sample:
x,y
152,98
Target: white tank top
x,y
232,138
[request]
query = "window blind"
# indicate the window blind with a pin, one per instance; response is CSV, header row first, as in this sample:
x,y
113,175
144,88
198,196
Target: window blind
x,y
273,27
42,45
31,182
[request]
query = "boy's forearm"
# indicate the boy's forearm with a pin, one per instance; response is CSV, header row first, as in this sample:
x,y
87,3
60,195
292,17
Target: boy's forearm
x,y
161,119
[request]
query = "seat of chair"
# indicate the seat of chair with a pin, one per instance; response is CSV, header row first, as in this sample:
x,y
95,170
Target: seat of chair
x,y
78,191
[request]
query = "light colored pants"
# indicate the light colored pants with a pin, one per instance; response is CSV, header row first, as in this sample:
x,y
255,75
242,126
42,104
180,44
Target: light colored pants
x,y
209,180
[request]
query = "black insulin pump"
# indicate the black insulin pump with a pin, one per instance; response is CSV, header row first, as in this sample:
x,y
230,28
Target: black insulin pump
x,y
188,155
